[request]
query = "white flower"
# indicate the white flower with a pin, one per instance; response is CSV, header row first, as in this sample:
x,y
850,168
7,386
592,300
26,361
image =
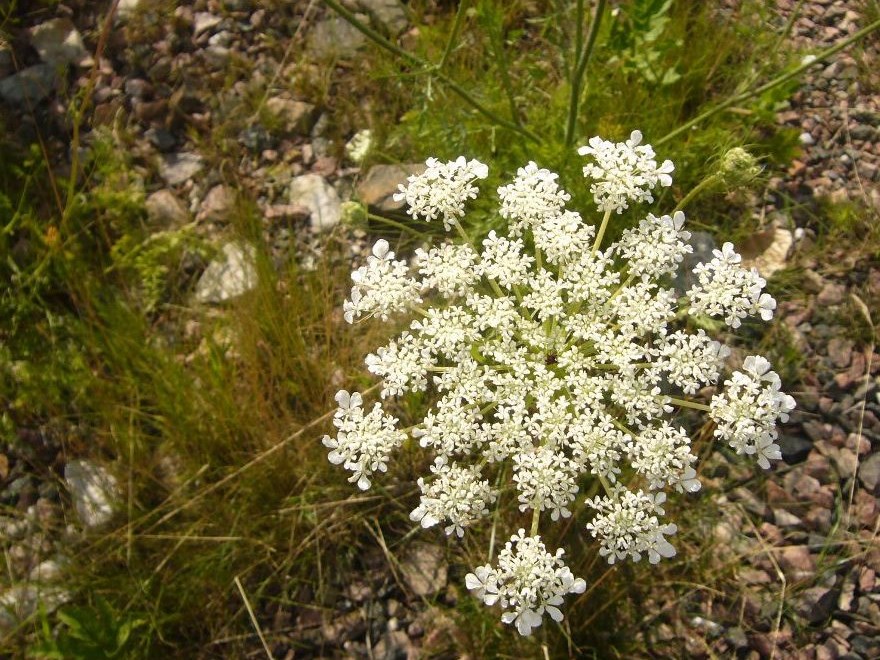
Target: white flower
x,y
503,260
455,494
624,172
546,480
656,247
363,443
442,189
551,364
359,146
450,268
726,289
530,198
382,287
528,582
626,525
747,411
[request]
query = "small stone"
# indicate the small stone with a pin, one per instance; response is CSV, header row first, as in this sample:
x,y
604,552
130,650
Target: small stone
x,y
93,491
785,519
806,139
869,473
161,139
796,562
831,294
218,205
232,274
165,210
858,443
388,13
846,462
333,38
754,576
818,520
424,569
204,21
317,195
59,43
815,604
180,167
28,86
381,183
297,117
840,352
794,448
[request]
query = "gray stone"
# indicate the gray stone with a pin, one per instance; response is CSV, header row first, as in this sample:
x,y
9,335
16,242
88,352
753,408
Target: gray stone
x,y
126,8
165,210
816,604
381,182
30,85
335,37
59,43
93,491
702,243
179,167
794,448
424,569
203,21
295,116
218,205
869,473
232,274
388,13
22,601
319,197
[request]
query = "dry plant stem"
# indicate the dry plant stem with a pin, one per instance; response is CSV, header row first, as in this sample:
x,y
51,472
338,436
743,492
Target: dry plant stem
x,y
778,623
381,41
583,59
259,458
863,308
775,82
250,612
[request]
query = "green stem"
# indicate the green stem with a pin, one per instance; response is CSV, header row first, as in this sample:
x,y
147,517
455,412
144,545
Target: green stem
x,y
775,82
684,403
456,26
601,232
535,520
394,223
583,59
696,190
496,40
381,41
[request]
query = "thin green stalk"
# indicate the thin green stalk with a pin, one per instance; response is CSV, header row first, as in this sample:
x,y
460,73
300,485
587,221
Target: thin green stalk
x,y
394,223
696,190
684,403
775,82
496,39
601,233
457,89
577,81
453,35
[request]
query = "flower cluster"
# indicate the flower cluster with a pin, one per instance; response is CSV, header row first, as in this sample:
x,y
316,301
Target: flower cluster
x,y
554,366
528,582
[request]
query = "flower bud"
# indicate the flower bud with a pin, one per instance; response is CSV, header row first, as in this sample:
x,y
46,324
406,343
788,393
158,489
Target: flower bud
x,y
738,168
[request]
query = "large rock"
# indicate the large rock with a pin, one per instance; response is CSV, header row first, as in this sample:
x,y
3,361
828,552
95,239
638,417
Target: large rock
x,y
381,182
28,86
93,490
319,197
59,43
233,273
